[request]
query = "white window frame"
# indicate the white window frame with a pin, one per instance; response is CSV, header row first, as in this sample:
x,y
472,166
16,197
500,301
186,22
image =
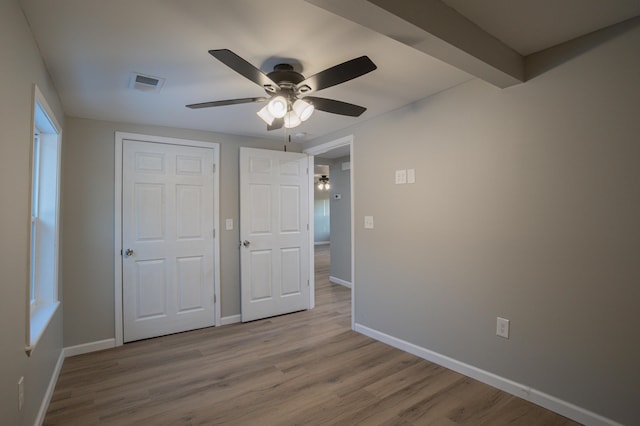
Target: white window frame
x,y
35,178
42,288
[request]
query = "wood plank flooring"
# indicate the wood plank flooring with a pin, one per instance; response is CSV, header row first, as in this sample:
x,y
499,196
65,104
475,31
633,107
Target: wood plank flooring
x,y
306,368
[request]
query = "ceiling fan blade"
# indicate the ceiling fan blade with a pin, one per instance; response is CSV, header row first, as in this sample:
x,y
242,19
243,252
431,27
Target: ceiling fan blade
x,y
244,68
336,107
226,102
277,124
337,74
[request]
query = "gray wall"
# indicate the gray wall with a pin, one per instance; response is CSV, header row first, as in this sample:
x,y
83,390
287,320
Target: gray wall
x,y
526,206
88,171
20,67
340,221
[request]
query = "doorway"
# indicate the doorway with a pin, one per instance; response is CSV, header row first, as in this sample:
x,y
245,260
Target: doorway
x,y
335,159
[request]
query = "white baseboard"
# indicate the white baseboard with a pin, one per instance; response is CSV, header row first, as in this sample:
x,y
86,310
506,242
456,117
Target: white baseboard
x,y
321,243
44,406
231,319
339,281
85,348
537,397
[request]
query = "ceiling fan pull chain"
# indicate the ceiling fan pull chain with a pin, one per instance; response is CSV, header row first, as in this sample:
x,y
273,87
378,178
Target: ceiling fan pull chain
x,y
287,137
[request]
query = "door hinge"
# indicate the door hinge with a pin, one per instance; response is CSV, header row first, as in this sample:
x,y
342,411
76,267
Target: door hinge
x,y
307,226
308,285
213,233
215,298
214,167
120,252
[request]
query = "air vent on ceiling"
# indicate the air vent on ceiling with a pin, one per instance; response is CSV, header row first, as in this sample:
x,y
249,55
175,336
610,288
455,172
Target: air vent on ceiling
x,y
145,83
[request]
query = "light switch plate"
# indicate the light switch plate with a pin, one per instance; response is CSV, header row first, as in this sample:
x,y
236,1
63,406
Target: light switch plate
x,y
401,177
368,222
228,224
411,175
502,327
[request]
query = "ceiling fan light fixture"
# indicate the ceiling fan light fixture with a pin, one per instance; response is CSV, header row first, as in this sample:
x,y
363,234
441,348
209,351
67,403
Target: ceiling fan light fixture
x,y
266,115
323,183
291,120
303,109
278,106
284,86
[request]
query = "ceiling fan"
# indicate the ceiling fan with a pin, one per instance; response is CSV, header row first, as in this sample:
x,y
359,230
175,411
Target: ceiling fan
x,y
288,104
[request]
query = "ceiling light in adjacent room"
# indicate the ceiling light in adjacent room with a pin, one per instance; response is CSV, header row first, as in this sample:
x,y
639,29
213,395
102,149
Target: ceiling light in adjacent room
x,y
323,183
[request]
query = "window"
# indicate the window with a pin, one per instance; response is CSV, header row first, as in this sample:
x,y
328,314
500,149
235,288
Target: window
x,y
45,207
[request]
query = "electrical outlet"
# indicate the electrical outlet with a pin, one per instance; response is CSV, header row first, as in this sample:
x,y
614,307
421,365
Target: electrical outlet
x,y
20,393
368,222
502,327
228,224
401,177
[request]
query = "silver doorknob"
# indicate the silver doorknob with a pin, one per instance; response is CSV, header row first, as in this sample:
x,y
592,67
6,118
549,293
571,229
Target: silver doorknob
x,y
246,243
128,253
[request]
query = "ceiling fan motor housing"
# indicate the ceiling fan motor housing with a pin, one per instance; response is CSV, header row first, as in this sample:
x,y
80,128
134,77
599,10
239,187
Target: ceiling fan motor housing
x,y
286,78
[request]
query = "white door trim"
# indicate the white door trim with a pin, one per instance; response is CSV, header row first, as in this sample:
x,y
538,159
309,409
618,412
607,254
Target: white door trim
x,y
117,246
321,149
311,222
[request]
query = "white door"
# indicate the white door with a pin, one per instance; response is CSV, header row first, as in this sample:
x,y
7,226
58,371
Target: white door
x,y
274,222
167,239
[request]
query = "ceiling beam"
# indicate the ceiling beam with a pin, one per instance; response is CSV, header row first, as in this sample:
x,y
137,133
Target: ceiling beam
x,y
434,28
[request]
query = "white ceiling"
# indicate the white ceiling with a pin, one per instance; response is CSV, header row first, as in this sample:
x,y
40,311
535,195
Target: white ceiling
x,y
91,47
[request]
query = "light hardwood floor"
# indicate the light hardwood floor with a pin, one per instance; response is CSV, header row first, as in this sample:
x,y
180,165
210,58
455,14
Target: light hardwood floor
x,y
306,368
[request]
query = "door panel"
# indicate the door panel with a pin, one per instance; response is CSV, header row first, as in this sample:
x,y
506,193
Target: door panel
x,y
274,219
167,222
291,262
188,165
261,283
290,209
150,162
259,165
150,212
150,289
259,209
189,211
190,283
